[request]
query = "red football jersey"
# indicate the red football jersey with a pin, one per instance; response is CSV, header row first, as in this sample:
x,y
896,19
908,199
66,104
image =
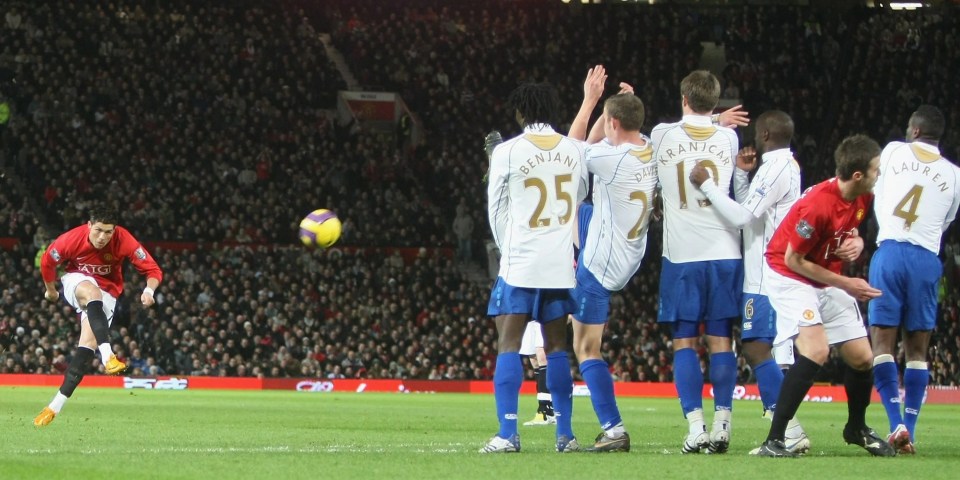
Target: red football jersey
x,y
74,250
816,226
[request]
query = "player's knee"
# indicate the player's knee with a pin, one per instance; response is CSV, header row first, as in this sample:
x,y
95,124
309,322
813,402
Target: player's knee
x,y
817,353
87,292
756,352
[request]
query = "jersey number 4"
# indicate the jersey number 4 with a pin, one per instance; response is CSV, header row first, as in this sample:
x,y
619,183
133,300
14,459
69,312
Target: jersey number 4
x,y
907,208
565,197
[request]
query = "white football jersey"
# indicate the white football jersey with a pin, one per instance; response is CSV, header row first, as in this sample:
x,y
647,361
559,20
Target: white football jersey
x,y
536,182
916,195
773,190
624,181
692,230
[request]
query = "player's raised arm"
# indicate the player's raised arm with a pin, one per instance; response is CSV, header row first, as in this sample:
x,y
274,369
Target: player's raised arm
x,y
592,91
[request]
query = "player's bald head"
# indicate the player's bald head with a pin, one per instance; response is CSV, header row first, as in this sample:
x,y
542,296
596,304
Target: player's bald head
x,y
929,123
779,127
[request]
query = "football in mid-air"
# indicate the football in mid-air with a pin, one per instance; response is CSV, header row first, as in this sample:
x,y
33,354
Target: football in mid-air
x,y
321,228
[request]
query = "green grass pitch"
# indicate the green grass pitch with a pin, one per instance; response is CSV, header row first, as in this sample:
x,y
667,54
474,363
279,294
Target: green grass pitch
x,y
123,434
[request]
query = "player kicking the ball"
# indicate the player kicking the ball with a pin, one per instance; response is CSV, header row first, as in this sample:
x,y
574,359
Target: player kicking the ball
x,y
93,256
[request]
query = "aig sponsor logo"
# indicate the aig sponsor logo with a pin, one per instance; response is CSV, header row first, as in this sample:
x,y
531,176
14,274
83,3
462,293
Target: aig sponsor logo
x,y
314,386
172,383
95,269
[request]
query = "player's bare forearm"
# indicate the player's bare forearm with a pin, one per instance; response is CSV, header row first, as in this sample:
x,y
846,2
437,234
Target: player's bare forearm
x,y
50,291
857,287
578,129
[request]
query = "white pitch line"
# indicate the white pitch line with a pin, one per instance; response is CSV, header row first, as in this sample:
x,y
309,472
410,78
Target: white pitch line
x,y
399,448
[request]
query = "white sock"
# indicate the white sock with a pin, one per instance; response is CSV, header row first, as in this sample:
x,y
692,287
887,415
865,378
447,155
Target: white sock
x,y
794,430
721,419
57,403
106,351
616,431
695,419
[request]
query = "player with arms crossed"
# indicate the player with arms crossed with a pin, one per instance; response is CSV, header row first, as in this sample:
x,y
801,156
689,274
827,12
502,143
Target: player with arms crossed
x,y
816,305
92,256
917,196
536,181
763,203
702,270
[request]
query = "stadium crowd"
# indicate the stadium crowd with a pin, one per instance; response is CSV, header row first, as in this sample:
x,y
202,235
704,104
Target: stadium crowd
x,y
210,125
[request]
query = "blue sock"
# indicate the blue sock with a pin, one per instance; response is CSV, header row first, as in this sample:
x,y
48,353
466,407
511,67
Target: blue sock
x,y
689,380
560,383
888,387
723,376
597,375
915,385
507,379
769,378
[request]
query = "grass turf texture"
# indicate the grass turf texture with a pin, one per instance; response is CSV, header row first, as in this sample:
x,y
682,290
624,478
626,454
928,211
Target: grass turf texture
x,y
111,433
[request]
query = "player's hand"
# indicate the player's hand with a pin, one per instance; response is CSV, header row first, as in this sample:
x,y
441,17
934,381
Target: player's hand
x,y
657,213
625,88
699,174
747,159
734,117
51,295
491,141
850,249
146,298
859,288
593,85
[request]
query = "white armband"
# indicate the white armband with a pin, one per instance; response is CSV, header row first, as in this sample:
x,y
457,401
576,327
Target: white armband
x,y
148,290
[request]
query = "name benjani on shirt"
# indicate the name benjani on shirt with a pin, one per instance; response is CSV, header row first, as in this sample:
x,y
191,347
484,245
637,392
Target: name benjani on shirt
x,y
545,157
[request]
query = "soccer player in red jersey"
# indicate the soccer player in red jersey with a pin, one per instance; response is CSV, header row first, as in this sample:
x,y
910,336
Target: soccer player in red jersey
x,y
816,304
92,256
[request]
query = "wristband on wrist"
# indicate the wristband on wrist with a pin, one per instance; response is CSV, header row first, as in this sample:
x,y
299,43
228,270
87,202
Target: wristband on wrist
x,y
715,119
148,290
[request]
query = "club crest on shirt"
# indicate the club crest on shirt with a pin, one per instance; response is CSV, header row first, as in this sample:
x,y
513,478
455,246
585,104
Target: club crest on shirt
x,y
859,214
808,314
804,229
140,253
55,254
763,189
108,257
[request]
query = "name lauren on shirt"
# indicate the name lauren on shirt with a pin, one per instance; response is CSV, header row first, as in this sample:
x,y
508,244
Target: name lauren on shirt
x,y
545,157
914,166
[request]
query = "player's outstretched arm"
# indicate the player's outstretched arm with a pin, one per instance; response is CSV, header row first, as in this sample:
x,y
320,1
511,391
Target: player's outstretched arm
x,y
592,91
728,209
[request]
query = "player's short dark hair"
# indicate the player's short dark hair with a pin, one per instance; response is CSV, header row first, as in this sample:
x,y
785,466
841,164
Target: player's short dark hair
x,y
628,109
105,215
854,155
930,121
778,124
702,90
536,102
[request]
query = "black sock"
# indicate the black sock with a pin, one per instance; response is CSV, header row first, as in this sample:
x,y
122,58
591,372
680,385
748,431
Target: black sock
x,y
859,386
79,366
796,384
545,406
98,321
